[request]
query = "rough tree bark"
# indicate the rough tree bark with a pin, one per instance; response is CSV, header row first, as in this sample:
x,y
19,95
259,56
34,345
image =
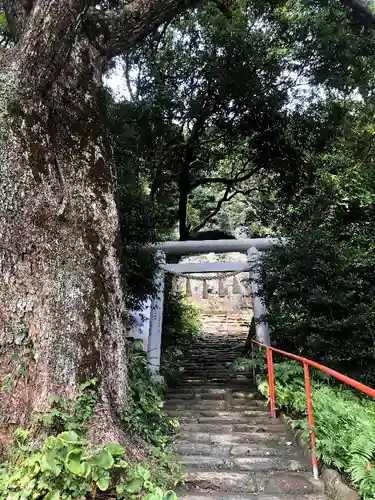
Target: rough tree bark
x,y
61,302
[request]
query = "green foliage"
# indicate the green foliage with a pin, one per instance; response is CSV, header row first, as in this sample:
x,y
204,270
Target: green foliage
x,y
144,413
181,322
321,290
66,468
5,36
71,416
230,106
344,421
196,139
181,326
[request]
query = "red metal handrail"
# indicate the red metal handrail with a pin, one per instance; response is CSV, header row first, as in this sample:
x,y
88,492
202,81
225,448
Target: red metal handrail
x,y
306,363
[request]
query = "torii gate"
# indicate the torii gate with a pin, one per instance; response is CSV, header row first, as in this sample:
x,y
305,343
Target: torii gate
x,y
252,247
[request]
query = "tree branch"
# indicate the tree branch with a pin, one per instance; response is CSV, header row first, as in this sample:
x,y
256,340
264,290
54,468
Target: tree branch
x,y
225,180
127,78
361,12
225,198
122,29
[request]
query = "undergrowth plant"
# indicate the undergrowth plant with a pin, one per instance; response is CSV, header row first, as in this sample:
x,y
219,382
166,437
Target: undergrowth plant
x,y
66,468
144,413
344,420
181,327
68,415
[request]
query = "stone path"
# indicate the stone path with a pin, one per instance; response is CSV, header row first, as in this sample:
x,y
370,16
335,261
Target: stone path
x,y
228,445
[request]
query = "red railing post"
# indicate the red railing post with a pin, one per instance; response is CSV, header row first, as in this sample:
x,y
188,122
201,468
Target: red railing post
x,y
310,414
271,383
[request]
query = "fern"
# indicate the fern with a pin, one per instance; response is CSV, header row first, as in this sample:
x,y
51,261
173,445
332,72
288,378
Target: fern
x,y
344,421
361,466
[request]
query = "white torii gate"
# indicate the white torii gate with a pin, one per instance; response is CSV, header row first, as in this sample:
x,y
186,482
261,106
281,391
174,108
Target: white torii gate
x,y
250,246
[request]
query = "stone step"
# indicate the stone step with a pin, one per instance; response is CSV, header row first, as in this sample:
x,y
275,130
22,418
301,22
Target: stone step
x,y
212,404
203,389
231,438
268,449
251,464
222,417
222,362
229,446
240,382
196,369
191,396
217,495
198,380
220,393
204,404
233,340
220,354
234,482
233,420
226,324
219,342
188,379
224,319
269,483
225,362
207,368
212,356
233,331
213,388
226,427
228,327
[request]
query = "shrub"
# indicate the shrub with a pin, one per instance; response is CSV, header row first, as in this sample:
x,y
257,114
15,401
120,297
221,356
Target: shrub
x,y
320,289
181,326
181,322
144,413
66,468
68,415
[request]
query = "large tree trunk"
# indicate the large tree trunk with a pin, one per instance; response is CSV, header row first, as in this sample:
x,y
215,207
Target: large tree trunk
x,y
60,292
61,302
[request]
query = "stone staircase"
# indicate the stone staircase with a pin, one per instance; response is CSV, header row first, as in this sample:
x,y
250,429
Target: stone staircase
x,y
231,324
229,447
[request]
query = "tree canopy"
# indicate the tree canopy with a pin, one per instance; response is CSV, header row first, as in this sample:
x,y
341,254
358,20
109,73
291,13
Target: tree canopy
x,y
257,119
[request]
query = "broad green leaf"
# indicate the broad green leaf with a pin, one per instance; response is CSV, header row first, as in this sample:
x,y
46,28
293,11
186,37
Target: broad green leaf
x,y
120,488
75,464
134,486
49,462
171,495
103,482
142,472
69,437
103,460
121,464
115,449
